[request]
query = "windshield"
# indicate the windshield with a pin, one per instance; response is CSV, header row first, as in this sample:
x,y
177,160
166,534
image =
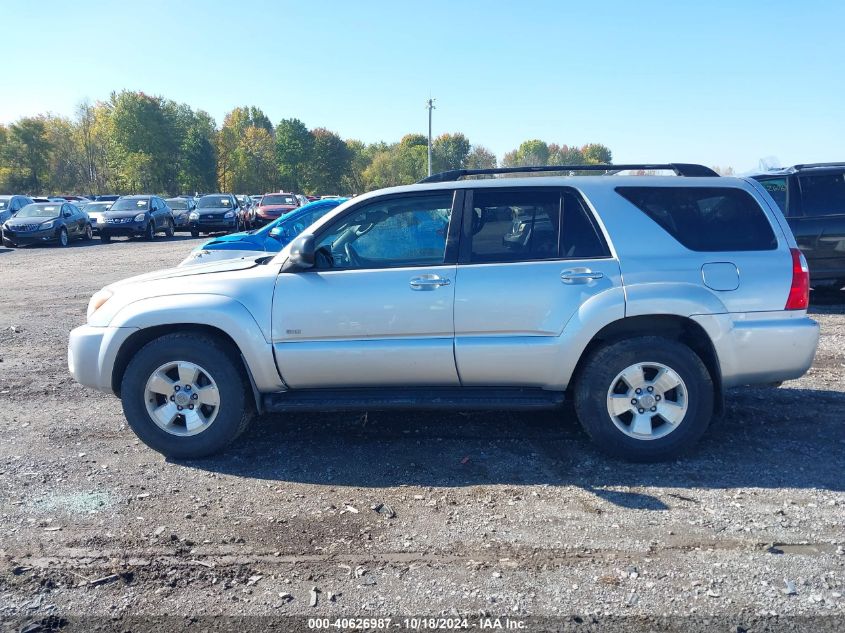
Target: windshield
x,y
177,204
40,211
131,204
212,202
277,199
97,207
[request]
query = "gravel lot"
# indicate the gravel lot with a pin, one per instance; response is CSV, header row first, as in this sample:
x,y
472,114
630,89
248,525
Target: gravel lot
x,y
508,515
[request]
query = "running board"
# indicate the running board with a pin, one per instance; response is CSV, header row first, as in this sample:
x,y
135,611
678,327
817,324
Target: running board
x,y
432,398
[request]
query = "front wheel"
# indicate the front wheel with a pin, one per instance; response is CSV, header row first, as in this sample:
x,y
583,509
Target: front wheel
x,y
105,238
89,233
185,397
195,233
150,233
64,240
169,229
644,399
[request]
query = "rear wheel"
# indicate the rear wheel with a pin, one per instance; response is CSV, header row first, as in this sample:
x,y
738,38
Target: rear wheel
x,y
63,237
185,397
644,399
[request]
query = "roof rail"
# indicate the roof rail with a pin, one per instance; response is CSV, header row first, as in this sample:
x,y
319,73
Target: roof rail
x,y
816,165
680,169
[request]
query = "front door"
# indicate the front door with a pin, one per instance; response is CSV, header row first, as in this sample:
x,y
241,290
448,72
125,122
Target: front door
x,y
377,308
530,257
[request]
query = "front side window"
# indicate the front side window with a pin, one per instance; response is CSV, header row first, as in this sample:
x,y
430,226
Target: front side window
x,y
406,231
822,194
777,190
706,219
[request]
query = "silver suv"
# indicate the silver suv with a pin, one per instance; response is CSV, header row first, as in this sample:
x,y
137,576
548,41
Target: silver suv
x,y
640,299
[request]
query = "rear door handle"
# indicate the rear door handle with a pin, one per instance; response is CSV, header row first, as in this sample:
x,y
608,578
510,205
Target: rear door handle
x,y
580,276
429,282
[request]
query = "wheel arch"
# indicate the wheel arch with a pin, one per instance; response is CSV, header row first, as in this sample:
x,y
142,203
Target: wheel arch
x,y
139,339
669,326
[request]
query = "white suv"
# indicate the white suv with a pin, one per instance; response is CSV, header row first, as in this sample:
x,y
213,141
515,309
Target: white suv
x,y
639,298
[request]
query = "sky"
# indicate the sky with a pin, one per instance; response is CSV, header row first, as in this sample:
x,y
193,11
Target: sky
x,y
720,83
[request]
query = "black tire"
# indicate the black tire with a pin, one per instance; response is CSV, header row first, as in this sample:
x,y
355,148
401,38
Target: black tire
x,y
235,409
605,364
89,233
8,243
169,230
105,238
150,233
195,233
62,238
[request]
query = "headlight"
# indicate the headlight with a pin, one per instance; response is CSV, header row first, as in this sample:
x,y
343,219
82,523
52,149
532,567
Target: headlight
x,y
48,225
229,214
193,215
140,217
98,300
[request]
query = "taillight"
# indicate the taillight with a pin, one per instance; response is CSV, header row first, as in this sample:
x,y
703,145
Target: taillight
x,y
799,292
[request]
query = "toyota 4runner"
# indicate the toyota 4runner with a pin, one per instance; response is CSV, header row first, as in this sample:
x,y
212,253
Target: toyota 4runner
x,y
639,299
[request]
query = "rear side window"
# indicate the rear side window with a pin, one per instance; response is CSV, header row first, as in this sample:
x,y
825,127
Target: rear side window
x,y
706,219
823,194
777,190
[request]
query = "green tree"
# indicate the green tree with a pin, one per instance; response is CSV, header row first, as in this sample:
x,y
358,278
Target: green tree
x,y
66,163
596,153
255,164
329,163
27,154
480,158
294,144
449,151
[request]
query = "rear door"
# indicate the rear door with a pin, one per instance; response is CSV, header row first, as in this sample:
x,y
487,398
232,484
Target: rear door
x,y
530,257
821,222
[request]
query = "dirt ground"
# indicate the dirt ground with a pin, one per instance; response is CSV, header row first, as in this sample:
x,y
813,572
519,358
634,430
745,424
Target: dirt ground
x,y
401,514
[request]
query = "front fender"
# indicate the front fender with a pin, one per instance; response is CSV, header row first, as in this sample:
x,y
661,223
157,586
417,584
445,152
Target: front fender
x,y
218,311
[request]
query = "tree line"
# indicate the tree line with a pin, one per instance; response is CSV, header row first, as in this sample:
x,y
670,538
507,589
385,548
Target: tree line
x,y
135,142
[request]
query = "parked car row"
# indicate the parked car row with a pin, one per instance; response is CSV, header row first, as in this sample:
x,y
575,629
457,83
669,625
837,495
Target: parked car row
x,y
28,220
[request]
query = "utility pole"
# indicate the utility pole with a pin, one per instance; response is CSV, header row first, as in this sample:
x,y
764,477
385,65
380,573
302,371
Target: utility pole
x,y
430,105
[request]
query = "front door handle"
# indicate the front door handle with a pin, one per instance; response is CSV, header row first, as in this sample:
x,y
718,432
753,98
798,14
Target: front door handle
x,y
580,276
429,282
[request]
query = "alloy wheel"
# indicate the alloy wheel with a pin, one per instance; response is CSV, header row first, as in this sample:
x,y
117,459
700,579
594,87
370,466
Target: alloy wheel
x,y
647,401
182,398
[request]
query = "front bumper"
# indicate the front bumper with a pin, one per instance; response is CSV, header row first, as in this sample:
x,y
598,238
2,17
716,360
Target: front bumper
x,y
91,354
24,238
214,225
763,347
128,229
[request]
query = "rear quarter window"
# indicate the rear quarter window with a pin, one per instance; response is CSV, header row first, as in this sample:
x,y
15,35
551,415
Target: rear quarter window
x,y
706,219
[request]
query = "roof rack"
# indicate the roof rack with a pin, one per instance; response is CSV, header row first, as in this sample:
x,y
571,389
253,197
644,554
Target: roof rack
x,y
680,169
816,166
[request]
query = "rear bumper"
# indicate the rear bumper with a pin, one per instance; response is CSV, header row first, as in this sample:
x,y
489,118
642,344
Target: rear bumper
x,y
761,348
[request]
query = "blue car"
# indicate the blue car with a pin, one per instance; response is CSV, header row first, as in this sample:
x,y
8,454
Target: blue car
x,y
270,238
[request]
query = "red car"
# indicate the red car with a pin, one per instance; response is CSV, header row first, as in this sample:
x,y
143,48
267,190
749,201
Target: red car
x,y
273,205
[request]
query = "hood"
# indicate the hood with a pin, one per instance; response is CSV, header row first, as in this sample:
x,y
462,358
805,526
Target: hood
x,y
206,257
203,269
276,209
16,221
123,214
244,240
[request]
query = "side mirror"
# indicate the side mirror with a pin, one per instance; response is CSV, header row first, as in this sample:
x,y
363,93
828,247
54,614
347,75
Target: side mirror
x,y
279,233
302,252
67,214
